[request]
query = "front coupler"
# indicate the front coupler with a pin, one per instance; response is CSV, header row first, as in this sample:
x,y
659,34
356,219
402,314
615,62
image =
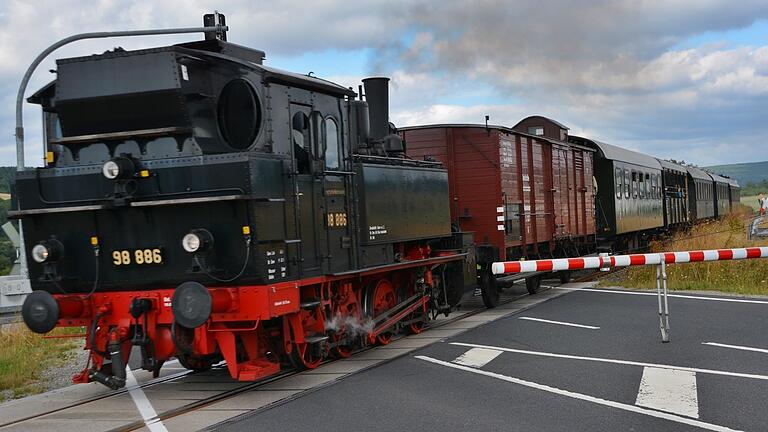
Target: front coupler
x,y
116,378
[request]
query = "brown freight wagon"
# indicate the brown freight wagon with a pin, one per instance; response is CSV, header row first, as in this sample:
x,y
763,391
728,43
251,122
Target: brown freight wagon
x,y
524,191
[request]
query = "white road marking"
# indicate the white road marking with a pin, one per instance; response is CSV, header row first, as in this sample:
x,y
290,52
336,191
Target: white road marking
x,y
477,357
561,323
647,293
670,390
616,361
581,396
738,347
147,411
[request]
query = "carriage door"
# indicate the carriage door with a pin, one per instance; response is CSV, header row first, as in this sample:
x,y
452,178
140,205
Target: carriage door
x,y
337,178
309,215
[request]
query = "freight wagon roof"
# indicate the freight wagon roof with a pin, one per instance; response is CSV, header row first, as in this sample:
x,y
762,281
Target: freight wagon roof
x,y
613,152
482,126
717,178
698,173
667,165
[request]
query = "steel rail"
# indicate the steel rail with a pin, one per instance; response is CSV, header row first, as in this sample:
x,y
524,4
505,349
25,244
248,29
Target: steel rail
x,y
80,402
236,391
232,392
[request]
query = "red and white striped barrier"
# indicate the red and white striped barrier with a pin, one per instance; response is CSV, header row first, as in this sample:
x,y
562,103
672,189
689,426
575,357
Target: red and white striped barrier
x,y
627,260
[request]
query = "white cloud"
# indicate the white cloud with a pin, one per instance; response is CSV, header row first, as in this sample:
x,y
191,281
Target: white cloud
x,y
608,68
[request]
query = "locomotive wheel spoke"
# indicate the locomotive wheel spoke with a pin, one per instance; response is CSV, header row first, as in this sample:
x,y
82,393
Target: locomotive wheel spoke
x,y
384,299
304,356
416,327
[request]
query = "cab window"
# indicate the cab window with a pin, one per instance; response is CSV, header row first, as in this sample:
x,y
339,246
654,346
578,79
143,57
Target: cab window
x,y
301,142
333,145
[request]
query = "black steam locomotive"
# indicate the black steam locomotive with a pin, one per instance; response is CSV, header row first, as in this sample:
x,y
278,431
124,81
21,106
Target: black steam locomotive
x,y
202,205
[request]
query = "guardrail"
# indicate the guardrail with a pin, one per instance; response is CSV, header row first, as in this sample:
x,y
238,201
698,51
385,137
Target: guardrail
x,y
661,259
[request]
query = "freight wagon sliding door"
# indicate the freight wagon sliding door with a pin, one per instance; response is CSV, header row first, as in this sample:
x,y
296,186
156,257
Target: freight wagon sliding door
x,y
560,189
579,193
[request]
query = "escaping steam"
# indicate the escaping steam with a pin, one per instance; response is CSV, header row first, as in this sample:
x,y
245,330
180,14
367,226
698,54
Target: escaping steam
x,y
353,326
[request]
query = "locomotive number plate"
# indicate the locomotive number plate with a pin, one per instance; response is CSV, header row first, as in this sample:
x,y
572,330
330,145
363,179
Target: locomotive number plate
x,y
336,220
126,257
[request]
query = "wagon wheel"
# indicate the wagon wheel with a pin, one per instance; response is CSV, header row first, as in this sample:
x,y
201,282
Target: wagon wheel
x,y
383,298
195,363
340,351
308,354
416,327
533,283
343,346
305,356
489,288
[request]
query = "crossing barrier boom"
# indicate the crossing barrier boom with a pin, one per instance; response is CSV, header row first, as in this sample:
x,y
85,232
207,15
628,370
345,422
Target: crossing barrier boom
x,y
559,264
660,260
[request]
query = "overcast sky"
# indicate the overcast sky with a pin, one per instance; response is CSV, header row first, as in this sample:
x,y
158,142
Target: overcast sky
x,y
676,79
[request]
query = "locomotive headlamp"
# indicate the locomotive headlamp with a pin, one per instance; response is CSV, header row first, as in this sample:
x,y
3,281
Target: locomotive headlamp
x,y
40,253
47,251
197,241
119,167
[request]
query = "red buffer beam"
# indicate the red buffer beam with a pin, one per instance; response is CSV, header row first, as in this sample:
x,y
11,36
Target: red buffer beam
x,y
628,260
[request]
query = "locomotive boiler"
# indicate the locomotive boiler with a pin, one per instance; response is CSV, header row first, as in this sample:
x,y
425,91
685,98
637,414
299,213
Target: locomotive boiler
x,y
200,204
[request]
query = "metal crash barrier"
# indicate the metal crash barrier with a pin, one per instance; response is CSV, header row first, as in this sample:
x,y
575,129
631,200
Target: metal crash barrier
x,y
660,260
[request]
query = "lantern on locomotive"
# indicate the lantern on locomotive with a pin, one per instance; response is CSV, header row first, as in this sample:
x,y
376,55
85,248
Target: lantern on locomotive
x,y
200,204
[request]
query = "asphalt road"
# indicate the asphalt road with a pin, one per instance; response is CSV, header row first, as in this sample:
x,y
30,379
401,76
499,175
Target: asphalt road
x,y
629,380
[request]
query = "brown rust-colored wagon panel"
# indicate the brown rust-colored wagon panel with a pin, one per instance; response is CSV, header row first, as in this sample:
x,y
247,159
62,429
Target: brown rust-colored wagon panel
x,y
520,192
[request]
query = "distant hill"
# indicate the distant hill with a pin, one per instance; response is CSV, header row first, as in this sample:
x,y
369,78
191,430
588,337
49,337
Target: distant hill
x,y
744,173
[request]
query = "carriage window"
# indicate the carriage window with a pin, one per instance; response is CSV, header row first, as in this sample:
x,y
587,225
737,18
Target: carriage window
x,y
626,183
536,130
332,143
634,184
619,178
640,186
647,186
301,141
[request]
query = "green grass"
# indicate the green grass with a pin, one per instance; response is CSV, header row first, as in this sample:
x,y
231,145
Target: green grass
x,y
750,201
738,277
25,355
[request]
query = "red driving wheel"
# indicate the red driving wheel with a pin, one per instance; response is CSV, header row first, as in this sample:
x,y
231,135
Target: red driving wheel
x,y
384,299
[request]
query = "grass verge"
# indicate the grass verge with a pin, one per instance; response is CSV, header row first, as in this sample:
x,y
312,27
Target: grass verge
x,y
751,201
24,356
740,277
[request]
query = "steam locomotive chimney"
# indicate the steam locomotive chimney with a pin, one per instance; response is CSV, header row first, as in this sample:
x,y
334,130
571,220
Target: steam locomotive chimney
x,y
377,96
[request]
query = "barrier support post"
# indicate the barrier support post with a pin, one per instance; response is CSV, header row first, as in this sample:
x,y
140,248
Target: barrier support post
x,y
661,291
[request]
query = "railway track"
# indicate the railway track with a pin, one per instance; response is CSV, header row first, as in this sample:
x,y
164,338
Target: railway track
x,y
470,308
